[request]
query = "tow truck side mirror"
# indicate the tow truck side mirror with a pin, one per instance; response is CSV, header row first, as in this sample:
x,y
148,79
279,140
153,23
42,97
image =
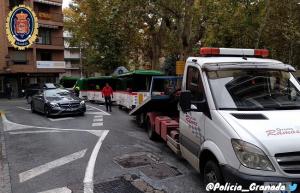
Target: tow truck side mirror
x,y
185,101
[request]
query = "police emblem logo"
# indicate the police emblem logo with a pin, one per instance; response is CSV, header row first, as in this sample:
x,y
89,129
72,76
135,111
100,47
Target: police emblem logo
x,y
21,27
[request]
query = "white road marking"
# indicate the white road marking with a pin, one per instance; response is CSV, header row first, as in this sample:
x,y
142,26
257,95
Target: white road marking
x,y
98,116
27,175
95,113
105,113
58,190
98,120
89,172
11,126
33,132
23,108
97,124
61,119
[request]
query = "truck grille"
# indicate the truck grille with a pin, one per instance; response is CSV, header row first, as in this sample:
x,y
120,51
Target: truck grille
x,y
289,162
71,105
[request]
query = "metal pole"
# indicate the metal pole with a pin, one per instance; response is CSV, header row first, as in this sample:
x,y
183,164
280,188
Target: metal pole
x,y
80,53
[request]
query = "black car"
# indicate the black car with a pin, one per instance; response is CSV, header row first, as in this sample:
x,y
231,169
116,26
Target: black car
x,y
57,102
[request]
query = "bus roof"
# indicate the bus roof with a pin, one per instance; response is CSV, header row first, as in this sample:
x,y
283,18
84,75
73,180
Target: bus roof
x,y
142,72
69,78
99,78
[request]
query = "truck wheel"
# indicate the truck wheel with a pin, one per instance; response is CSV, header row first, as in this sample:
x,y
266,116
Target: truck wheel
x,y
140,120
151,133
212,173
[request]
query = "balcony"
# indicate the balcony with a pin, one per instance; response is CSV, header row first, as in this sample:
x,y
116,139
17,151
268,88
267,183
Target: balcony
x,y
56,43
50,64
50,20
50,2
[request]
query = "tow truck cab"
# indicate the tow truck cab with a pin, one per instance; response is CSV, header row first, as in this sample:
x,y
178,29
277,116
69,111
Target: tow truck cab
x,y
239,117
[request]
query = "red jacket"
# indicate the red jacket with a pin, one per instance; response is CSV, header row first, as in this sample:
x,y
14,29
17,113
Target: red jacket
x,y
107,91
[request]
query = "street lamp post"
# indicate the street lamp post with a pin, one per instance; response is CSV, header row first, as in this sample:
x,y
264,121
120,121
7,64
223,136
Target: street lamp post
x,y
80,55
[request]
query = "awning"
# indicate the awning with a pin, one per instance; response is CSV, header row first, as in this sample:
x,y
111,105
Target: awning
x,y
48,2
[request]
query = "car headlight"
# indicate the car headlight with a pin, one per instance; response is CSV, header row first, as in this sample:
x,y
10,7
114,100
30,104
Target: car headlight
x,y
82,103
54,104
251,156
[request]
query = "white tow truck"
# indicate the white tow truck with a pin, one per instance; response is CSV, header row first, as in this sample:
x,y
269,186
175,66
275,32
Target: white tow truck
x,y
237,117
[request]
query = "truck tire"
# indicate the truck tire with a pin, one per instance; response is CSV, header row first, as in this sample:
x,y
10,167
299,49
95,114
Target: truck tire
x,y
212,173
151,133
140,120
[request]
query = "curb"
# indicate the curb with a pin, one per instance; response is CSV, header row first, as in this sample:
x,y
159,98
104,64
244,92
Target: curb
x,y
5,186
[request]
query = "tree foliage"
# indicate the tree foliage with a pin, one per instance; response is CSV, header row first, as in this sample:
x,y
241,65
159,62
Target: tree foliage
x,y
117,32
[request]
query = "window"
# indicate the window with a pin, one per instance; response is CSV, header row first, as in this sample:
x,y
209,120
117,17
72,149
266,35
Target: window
x,y
194,84
46,56
19,57
44,36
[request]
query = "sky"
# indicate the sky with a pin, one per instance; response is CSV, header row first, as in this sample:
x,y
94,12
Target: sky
x,y
66,3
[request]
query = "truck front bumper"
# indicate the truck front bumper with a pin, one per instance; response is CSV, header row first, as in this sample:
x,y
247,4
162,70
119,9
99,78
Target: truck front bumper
x,y
232,175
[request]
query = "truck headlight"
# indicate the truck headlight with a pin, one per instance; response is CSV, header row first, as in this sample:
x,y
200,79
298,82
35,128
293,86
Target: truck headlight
x,y
251,156
82,103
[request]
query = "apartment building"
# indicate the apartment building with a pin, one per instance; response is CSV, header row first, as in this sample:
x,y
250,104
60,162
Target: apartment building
x,y
72,57
44,60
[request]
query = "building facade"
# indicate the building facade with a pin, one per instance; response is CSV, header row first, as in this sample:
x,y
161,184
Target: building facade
x,y
72,58
44,60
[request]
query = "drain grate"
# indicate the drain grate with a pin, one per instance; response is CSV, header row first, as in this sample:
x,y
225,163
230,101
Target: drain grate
x,y
131,161
160,171
116,186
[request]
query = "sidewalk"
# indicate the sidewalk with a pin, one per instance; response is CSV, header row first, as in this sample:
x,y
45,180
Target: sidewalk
x,y
5,186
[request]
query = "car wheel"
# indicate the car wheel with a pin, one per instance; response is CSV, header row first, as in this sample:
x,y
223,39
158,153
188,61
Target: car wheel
x,y
81,114
212,173
32,107
29,99
151,133
47,111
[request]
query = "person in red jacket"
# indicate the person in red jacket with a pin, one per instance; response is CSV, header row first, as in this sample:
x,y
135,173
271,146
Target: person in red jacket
x,y
107,94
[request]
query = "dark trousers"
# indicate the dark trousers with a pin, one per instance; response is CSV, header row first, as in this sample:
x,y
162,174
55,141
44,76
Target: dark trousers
x,y
108,103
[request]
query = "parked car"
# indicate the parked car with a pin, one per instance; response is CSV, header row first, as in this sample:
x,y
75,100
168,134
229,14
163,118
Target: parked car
x,y
57,102
33,89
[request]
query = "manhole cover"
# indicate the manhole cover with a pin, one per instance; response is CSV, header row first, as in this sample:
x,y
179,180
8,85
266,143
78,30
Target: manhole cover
x,y
116,186
160,171
131,161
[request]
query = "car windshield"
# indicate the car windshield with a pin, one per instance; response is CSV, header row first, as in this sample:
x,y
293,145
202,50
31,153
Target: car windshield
x,y
56,93
250,89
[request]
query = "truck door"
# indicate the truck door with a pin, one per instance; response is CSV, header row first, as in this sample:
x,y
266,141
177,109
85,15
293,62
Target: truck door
x,y
192,123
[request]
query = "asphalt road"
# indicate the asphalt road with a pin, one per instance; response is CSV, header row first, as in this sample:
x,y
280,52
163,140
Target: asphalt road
x,y
99,152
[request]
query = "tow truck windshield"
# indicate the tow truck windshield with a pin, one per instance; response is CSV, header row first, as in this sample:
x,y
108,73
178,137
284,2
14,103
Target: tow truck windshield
x,y
252,89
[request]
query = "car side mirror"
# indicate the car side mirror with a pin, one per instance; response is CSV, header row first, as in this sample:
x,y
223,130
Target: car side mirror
x,y
201,106
185,101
